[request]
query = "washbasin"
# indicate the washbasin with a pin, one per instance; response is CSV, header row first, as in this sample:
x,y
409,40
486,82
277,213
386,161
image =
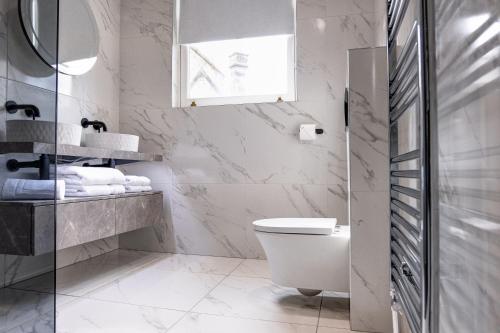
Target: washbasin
x,y
113,141
43,131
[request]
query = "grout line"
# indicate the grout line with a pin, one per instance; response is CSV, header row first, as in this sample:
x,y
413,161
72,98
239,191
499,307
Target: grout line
x,y
319,313
190,311
255,319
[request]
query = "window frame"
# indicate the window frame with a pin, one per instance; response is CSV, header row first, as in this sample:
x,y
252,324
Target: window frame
x,y
182,82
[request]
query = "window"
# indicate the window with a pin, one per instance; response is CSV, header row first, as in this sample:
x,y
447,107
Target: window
x,y
239,59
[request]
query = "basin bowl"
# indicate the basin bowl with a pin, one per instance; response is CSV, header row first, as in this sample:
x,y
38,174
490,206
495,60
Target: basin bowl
x,y
43,131
113,141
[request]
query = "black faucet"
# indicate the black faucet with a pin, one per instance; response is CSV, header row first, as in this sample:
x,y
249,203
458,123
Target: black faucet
x,y
29,109
95,123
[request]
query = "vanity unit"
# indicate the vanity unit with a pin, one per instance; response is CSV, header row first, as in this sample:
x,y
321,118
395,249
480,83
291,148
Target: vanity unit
x,y
27,227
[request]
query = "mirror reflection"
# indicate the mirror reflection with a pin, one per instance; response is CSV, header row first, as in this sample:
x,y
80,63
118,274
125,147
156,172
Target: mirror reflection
x,y
78,34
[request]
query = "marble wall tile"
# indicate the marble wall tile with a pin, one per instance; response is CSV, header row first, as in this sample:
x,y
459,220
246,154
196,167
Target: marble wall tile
x,y
307,9
349,7
337,202
153,18
239,153
369,192
3,38
368,110
345,32
208,218
75,254
3,113
370,300
312,84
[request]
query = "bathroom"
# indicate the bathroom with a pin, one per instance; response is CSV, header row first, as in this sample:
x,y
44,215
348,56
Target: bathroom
x,y
331,167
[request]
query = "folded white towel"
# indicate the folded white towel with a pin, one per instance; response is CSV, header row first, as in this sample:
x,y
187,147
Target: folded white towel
x,y
76,175
88,190
132,188
137,180
117,189
31,189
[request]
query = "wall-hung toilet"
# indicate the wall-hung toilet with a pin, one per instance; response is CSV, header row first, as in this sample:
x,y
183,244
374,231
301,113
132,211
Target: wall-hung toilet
x,y
310,254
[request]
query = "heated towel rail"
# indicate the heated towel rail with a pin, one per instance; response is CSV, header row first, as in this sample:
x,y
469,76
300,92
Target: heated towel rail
x,y
410,161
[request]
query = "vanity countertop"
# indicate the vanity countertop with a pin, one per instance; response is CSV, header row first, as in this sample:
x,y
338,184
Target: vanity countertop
x,y
75,151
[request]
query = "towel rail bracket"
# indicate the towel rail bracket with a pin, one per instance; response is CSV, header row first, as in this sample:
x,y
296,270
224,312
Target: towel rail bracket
x,y
111,163
42,164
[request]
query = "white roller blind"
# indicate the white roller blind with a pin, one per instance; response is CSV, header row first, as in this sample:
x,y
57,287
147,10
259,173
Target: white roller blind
x,y
211,20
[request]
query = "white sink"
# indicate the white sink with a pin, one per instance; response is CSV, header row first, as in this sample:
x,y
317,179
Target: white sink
x,y
43,131
113,141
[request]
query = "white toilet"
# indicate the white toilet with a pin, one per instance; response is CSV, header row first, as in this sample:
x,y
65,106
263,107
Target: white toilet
x,y
310,254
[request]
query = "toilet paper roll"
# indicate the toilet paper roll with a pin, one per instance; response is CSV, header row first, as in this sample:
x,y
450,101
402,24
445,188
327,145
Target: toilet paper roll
x,y
307,132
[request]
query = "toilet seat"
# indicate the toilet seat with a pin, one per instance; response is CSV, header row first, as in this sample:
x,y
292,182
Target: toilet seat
x,y
316,226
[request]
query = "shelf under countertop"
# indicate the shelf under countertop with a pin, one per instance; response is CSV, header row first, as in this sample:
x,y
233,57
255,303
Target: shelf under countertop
x,y
71,151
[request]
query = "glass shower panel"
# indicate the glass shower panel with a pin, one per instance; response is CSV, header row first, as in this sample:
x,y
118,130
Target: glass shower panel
x,y
468,95
28,114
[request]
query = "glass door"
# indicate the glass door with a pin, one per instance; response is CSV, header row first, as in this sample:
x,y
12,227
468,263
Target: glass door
x,y
28,137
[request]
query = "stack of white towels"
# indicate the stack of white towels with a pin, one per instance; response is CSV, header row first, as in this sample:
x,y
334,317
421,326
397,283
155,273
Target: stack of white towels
x,y
91,181
75,181
31,189
137,184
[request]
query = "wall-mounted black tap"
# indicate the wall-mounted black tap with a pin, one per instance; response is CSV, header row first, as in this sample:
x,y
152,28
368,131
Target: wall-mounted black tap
x,y
95,123
29,109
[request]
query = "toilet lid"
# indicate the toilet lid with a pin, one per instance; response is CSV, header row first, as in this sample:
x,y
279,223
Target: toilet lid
x,y
306,226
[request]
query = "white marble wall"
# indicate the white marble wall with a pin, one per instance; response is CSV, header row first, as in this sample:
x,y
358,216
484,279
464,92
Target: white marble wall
x,y
96,94
369,185
229,165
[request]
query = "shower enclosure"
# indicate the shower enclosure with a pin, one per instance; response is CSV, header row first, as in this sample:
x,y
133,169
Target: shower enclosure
x,y
28,90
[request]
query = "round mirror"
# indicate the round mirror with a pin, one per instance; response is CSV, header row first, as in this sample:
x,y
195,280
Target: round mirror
x,y
78,33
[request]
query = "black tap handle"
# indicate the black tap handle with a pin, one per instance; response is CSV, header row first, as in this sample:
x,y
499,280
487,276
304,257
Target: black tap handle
x,y
29,109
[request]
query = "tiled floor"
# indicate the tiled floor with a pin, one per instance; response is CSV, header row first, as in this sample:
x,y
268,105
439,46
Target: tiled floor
x,y
131,291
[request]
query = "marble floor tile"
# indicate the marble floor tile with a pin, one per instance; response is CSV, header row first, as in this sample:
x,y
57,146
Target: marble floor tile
x,y
322,329
202,323
76,280
197,264
257,298
153,286
26,311
334,312
86,315
253,268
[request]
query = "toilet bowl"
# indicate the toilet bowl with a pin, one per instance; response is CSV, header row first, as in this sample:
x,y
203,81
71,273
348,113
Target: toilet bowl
x,y
310,254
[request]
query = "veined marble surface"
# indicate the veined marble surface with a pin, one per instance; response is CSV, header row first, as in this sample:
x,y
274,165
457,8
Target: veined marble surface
x,y
133,291
369,184
229,165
